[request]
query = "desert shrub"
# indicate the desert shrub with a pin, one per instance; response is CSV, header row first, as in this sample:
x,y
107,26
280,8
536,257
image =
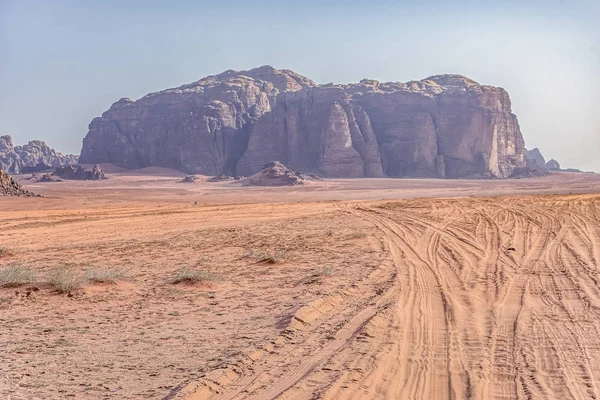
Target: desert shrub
x,y
269,257
326,271
191,276
64,279
16,275
104,275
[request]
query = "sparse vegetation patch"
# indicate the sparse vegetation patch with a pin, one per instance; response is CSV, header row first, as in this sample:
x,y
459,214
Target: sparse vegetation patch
x,y
326,271
192,276
64,279
268,257
16,275
104,275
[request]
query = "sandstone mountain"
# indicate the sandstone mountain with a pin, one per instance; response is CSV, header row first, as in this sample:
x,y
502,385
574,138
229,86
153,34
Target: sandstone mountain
x,y
235,122
31,157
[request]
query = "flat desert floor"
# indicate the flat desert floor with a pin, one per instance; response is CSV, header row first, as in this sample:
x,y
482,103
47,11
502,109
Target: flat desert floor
x,y
341,289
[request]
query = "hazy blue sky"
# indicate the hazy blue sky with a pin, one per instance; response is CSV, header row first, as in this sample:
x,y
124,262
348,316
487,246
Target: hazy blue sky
x,y
63,63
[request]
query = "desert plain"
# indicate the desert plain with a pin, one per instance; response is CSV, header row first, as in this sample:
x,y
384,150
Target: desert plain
x,y
338,289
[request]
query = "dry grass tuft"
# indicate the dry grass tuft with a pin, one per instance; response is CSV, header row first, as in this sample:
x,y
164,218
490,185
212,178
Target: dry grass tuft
x,y
104,275
327,271
192,276
64,279
16,275
269,257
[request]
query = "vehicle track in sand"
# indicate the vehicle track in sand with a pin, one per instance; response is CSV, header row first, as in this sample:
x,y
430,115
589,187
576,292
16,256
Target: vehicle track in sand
x,y
491,298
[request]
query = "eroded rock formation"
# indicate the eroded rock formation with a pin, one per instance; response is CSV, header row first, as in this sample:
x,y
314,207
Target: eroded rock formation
x,y
77,172
32,157
233,123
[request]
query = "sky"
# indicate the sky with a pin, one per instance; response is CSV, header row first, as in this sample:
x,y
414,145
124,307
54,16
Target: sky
x,y
62,63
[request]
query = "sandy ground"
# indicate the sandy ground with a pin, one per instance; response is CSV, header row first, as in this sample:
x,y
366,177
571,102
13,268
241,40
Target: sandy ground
x,y
342,289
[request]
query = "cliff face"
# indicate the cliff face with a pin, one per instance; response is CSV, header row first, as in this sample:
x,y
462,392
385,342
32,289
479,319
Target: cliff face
x,y
34,156
235,122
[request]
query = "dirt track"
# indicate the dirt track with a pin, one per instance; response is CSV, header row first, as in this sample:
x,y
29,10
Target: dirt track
x,y
454,313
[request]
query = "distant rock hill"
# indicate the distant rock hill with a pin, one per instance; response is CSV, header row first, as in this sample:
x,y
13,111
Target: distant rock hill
x,y
33,157
445,126
535,159
277,174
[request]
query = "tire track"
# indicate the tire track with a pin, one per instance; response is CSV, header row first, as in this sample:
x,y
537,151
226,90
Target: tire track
x,y
491,299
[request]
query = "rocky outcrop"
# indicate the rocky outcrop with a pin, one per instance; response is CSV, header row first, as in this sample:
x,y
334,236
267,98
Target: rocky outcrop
x,y
528,172
45,178
10,187
77,172
232,123
32,157
190,179
277,174
224,178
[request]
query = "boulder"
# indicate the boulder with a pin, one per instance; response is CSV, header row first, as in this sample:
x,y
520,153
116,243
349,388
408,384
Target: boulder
x,y
444,126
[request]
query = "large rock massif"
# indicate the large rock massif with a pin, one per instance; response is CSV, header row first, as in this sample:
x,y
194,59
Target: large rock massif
x,y
233,123
34,156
